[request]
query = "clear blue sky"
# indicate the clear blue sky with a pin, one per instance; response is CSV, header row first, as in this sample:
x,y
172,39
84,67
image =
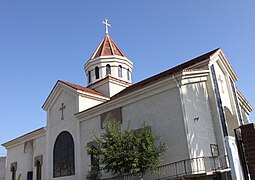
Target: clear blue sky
x,y
43,41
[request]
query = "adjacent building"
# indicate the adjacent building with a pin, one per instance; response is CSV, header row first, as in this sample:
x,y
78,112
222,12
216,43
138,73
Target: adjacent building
x,y
2,168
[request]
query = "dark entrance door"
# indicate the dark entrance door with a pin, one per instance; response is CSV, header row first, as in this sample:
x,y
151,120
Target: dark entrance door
x,y
30,175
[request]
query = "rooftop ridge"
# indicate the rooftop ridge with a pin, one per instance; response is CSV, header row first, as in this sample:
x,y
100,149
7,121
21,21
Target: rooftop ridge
x,y
82,88
107,47
164,74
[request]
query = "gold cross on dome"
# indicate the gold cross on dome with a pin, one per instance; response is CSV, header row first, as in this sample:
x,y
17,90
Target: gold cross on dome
x,y
105,21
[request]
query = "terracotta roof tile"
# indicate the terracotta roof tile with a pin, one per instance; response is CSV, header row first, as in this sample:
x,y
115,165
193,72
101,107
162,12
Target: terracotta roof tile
x,y
165,74
81,88
107,47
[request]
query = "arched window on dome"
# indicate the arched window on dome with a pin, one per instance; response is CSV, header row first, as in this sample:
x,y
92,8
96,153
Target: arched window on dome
x,y
108,69
89,77
97,72
63,155
128,74
120,71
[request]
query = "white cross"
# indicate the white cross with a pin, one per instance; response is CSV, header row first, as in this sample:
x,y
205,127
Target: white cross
x,y
106,25
221,81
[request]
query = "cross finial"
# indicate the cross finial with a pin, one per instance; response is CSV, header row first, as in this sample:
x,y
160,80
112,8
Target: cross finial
x,y
105,21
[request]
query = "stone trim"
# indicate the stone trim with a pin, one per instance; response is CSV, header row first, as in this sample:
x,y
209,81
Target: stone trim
x,y
38,158
28,142
31,135
137,131
14,164
115,114
92,143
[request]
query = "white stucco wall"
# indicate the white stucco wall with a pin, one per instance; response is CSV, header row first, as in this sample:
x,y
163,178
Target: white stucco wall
x,y
162,111
2,168
103,88
215,116
40,149
200,128
87,128
25,157
227,98
85,103
55,126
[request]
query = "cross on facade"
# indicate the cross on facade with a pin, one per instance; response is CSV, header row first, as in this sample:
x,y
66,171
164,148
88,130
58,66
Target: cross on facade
x,y
221,81
62,110
106,25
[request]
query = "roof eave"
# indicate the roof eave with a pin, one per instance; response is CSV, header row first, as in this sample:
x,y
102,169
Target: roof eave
x,y
25,137
225,62
244,102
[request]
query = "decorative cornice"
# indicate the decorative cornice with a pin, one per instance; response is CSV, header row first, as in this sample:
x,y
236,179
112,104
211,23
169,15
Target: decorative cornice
x,y
24,138
72,89
150,90
247,107
220,55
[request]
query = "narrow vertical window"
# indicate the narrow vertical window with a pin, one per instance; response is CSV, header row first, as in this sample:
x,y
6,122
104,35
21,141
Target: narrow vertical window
x,y
97,72
128,74
89,77
13,170
94,161
120,71
108,69
38,170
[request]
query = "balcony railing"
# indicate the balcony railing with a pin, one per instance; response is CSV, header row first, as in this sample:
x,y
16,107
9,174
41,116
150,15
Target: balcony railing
x,y
189,167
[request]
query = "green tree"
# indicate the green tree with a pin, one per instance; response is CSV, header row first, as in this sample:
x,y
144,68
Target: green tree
x,y
128,152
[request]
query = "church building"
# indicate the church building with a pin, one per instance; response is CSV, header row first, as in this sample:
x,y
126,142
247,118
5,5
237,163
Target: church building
x,y
193,107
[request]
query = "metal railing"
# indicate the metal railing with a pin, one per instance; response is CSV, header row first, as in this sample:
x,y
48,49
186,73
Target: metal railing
x,y
188,167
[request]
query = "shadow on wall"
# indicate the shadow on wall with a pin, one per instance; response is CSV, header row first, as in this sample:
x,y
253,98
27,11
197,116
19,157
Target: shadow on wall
x,y
199,119
231,121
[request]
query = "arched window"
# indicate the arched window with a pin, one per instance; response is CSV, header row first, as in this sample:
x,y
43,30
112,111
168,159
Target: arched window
x,y
128,74
63,155
108,69
97,72
120,71
89,77
38,170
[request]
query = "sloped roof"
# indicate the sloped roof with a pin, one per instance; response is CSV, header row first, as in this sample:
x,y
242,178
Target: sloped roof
x,y
25,137
107,47
81,88
165,74
74,86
